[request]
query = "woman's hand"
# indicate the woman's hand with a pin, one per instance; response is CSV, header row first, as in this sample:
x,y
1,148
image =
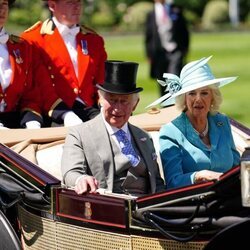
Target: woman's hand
x,y
206,175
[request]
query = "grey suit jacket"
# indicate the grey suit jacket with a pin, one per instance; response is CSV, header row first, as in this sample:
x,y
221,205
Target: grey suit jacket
x,y
87,150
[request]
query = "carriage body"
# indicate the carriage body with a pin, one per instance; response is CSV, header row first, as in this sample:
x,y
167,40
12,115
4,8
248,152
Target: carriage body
x,y
47,215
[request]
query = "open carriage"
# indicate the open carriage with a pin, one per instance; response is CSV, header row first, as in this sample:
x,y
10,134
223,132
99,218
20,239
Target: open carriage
x,y
38,212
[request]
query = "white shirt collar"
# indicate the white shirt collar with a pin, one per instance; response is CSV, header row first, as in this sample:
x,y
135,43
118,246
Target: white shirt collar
x,y
4,36
111,130
62,28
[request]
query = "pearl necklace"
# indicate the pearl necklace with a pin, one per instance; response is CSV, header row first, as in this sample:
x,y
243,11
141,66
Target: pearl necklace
x,y
203,133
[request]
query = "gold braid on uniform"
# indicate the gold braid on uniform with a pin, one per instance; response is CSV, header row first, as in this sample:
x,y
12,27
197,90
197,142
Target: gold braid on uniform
x,y
86,30
15,39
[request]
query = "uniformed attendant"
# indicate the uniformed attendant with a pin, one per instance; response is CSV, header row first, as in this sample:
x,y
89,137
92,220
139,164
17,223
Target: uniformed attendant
x,y
19,98
74,57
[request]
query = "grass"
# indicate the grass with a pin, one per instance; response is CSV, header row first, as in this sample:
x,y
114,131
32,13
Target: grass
x,y
231,53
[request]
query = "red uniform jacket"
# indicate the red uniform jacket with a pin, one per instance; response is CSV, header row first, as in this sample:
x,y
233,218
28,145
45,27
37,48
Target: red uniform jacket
x,y
60,74
22,94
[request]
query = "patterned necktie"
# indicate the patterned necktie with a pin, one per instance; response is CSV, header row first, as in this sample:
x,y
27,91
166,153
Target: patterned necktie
x,y
126,147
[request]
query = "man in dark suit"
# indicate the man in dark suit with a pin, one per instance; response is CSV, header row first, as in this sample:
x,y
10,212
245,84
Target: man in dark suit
x,y
95,156
166,40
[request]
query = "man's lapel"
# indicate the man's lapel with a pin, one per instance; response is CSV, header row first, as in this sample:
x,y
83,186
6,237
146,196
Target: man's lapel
x,y
142,144
215,130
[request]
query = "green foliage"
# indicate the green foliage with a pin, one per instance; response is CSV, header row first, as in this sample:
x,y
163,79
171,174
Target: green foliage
x,y
195,6
193,20
110,13
244,9
134,19
215,14
24,13
102,20
103,17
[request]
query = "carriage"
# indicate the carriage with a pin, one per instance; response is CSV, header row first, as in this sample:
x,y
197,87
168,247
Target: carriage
x,y
38,212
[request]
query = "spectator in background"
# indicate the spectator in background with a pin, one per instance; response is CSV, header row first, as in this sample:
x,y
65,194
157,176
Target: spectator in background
x,y
198,145
166,40
74,57
19,98
108,152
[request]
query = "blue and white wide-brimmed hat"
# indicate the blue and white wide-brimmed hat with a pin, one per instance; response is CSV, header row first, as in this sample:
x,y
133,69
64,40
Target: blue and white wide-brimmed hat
x,y
194,75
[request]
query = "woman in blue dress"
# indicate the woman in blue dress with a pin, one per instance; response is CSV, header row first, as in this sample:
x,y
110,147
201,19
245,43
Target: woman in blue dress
x,y
198,145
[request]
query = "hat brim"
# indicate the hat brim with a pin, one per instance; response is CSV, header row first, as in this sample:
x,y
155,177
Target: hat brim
x,y
168,98
217,81
119,92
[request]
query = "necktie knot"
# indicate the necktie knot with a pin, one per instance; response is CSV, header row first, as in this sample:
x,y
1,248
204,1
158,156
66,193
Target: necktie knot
x,y
126,147
71,31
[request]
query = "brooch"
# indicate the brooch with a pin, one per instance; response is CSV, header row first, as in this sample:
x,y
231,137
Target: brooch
x,y
154,156
220,124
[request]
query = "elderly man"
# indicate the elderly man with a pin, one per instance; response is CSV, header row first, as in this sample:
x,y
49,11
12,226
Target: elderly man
x,y
108,152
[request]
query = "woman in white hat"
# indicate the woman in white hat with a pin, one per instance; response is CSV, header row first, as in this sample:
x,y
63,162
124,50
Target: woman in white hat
x,y
198,145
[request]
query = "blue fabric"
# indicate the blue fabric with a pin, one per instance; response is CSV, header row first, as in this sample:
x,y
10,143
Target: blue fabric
x,y
126,147
183,152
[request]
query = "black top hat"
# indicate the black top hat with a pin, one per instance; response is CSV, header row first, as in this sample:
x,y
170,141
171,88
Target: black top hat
x,y
120,78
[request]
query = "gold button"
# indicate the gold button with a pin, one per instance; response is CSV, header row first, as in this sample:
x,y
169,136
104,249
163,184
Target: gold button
x,y
76,90
53,85
49,67
52,76
1,95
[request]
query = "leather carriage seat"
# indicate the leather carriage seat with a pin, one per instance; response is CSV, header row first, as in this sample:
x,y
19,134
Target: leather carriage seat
x,y
155,138
49,158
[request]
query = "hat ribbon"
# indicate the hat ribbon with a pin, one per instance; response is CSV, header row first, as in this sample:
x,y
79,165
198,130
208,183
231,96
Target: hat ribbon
x,y
173,85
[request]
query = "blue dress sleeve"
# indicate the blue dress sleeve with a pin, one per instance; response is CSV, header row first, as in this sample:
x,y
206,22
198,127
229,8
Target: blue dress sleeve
x,y
172,157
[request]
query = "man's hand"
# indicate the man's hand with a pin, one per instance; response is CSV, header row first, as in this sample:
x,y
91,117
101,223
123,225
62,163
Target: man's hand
x,y
86,184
